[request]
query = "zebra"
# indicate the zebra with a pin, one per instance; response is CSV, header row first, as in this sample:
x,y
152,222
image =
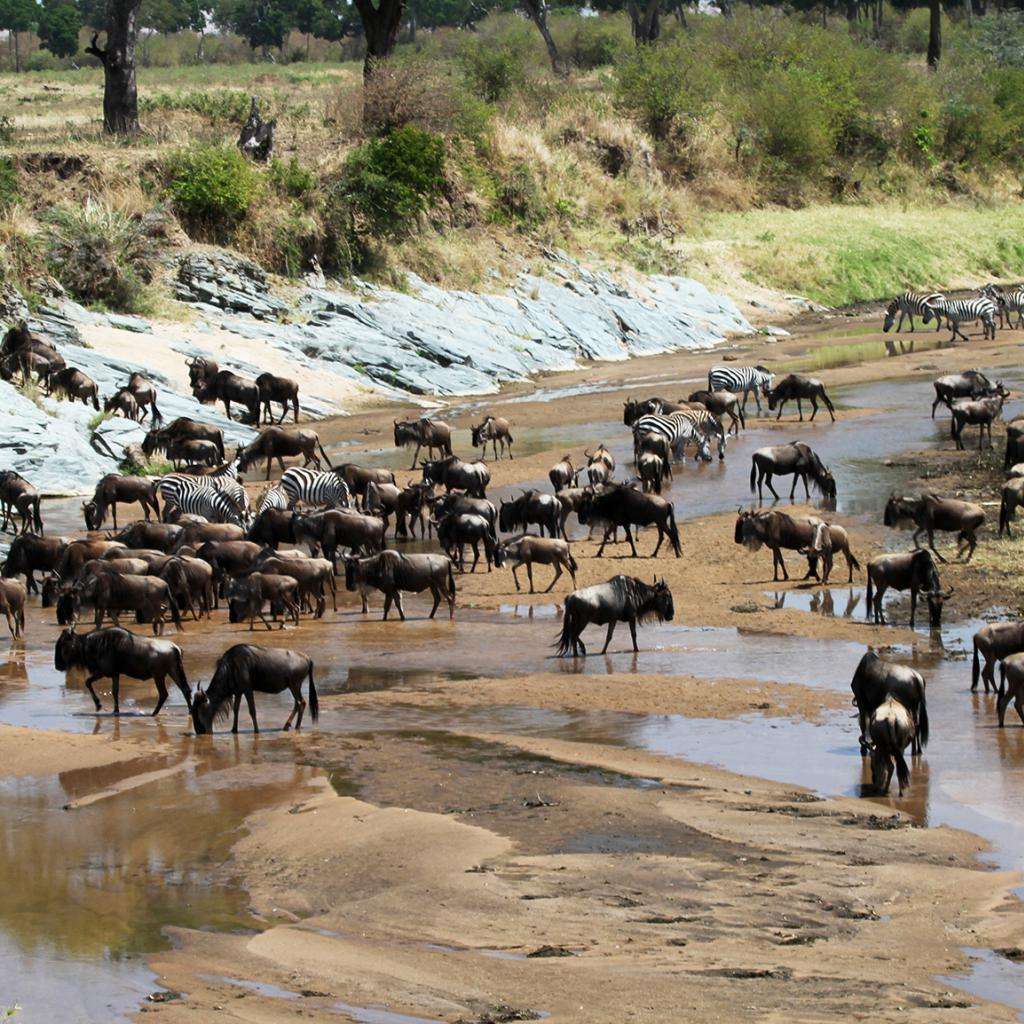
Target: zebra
x,y
743,379
706,422
193,496
1007,303
313,487
677,429
272,497
958,311
909,303
225,479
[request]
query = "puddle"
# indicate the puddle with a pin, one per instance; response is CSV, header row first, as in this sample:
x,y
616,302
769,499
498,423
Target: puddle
x,y
261,988
832,602
992,977
378,1015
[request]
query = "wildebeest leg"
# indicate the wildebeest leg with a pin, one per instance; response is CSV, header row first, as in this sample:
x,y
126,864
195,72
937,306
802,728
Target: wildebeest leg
x,y
237,701
398,605
814,407
778,561
556,578
796,480
298,707
88,685
529,575
632,633
782,402
604,540
416,454
161,694
515,578
800,408
632,545
608,638
476,555
768,484
436,594
387,606
115,692
972,542
1003,701
913,605
931,544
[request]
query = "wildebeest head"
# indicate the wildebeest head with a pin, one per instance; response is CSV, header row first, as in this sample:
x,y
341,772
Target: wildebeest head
x,y
351,572
68,604
500,554
936,600
630,412
890,315
476,433
663,607
406,432
746,531
67,652
154,440
202,712
900,512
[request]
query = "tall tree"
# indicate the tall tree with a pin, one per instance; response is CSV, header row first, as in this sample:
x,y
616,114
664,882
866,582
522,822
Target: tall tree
x,y
380,27
537,10
263,23
59,22
934,33
120,93
17,16
645,17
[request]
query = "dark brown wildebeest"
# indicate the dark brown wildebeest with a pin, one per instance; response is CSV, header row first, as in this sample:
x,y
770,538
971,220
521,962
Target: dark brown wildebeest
x,y
248,594
12,604
532,508
979,412
124,402
315,576
358,478
393,573
408,504
78,552
193,454
273,526
809,535
148,597
332,529
722,403
651,469
115,488
181,429
144,392
495,429
144,533
892,731
194,534
29,553
123,566
529,550
424,433
874,681
1011,687
201,369
915,572
282,390
74,385
969,384
227,387
454,474
656,444
278,443
562,474
114,652
621,599
621,506
452,504
796,386
247,668
795,459
1012,499
634,408
995,642
929,512
228,557
18,495
1014,442
190,580
457,530
26,352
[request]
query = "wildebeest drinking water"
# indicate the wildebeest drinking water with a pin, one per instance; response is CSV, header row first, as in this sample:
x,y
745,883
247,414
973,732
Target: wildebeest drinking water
x,y
246,669
621,599
795,459
930,512
874,681
892,730
915,572
115,488
795,386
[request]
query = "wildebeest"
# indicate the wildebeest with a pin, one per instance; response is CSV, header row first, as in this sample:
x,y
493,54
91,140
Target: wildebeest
x,y
337,528
424,433
29,553
282,390
621,506
600,455
929,512
229,557
914,571
809,535
407,504
495,429
651,469
452,473
115,488
874,681
795,459
190,581
75,554
273,526
633,409
391,573
22,350
1012,498
148,597
456,503
114,652
459,529
994,642
246,669
181,429
248,594
193,453
796,386
227,387
315,576
621,599
529,550
74,385
1014,442
278,443
562,474
1011,687
124,402
979,412
969,384
147,534
531,508
358,478
892,731
18,495
194,534
12,603
722,403
144,393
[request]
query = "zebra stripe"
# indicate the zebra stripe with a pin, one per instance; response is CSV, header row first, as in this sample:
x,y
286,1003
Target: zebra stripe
x,y
313,487
193,496
706,422
741,380
1007,303
960,311
272,497
911,304
677,430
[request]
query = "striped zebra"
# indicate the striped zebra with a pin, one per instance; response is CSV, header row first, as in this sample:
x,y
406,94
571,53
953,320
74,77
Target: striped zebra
x,y
312,487
272,497
965,311
1007,303
677,429
741,379
706,422
923,304
226,480
193,496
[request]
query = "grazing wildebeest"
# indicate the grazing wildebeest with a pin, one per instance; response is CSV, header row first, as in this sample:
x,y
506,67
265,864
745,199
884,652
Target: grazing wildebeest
x,y
124,402
248,594
874,681
282,390
114,652
530,550
562,474
457,530
115,488
193,453
1012,499
796,386
144,393
651,469
332,529
278,443
621,599
29,553
452,473
74,385
148,597
892,731
795,459
12,603
358,478
914,571
929,513
227,387
495,429
722,403
623,506
246,669
391,573
18,495
969,384
979,412
181,429
809,535
424,433
1011,687
994,642
315,576
531,508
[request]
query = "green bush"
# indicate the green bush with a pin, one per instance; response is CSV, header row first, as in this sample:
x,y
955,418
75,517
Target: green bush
x,y
519,196
9,190
497,66
212,187
291,179
389,182
218,105
597,42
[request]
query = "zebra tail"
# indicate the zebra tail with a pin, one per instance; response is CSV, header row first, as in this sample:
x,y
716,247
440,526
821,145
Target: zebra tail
x,y
314,701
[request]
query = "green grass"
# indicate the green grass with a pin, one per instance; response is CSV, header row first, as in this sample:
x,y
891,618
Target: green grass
x,y
830,357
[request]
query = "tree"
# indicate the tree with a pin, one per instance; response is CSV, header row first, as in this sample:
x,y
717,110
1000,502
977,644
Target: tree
x,y
263,23
380,27
59,22
934,33
17,16
645,17
120,93
538,13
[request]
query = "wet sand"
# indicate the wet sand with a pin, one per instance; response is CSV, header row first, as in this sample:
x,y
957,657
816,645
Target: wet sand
x,y
467,800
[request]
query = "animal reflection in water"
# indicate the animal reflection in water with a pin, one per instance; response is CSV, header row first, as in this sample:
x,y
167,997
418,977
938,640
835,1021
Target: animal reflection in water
x,y
826,601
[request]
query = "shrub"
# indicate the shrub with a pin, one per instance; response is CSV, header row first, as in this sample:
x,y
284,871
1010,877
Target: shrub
x,y
519,196
217,105
597,42
9,190
496,66
212,187
291,179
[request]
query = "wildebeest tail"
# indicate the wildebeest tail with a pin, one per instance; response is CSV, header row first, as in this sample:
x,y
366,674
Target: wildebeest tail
x,y
570,629
869,596
451,577
753,476
37,517
975,667
572,563
155,415
902,771
324,454
314,702
922,721
1004,514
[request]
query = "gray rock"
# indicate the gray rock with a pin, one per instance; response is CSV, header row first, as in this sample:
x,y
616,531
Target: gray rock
x,y
223,280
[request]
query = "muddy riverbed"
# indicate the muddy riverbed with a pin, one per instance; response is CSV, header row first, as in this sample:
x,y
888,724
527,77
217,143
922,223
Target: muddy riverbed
x,y
687,829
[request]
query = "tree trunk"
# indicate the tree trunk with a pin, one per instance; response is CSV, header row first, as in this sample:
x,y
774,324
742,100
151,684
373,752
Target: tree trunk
x,y
852,10
646,21
381,25
538,12
935,33
120,94
17,51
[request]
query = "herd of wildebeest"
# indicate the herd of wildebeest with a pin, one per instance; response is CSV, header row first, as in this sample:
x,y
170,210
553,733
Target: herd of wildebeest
x,y
202,541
